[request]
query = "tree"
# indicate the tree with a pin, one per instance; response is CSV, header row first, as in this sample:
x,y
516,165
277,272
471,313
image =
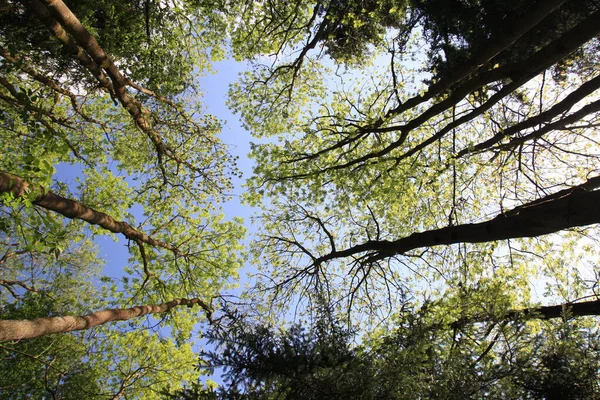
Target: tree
x,y
263,362
420,357
449,155
38,361
458,172
107,92
427,179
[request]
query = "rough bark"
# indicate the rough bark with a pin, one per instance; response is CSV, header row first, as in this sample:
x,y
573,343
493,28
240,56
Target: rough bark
x,y
59,11
27,329
44,198
569,208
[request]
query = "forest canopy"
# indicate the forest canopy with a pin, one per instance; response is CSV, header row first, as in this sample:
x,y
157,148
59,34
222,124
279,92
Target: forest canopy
x,y
425,197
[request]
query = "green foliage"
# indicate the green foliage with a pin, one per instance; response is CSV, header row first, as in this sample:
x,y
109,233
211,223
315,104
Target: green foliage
x,y
351,156
567,367
360,141
60,366
61,132
350,27
160,44
420,357
421,120
264,362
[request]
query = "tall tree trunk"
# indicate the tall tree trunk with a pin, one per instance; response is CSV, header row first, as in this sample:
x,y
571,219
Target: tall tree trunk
x,y
44,198
62,22
569,208
27,329
501,43
582,309
69,44
65,17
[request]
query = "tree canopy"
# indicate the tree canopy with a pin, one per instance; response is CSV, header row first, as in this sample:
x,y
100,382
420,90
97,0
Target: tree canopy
x,y
440,161
103,133
485,136
426,185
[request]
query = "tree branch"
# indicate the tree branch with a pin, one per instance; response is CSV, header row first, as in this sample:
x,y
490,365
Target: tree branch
x,y
577,206
586,308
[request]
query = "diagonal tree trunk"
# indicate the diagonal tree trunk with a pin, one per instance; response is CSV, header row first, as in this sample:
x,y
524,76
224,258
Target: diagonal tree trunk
x,y
78,40
27,329
518,72
582,309
44,198
65,17
69,44
569,208
585,90
514,32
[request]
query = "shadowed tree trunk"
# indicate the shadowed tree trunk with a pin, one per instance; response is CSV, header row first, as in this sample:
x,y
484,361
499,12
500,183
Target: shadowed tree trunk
x,y
583,309
569,208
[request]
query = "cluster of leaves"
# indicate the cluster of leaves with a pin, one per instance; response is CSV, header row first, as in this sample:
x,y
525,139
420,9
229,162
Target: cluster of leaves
x,y
350,27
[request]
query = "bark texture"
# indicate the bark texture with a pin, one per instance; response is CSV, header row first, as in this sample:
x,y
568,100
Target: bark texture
x,y
65,17
44,198
69,44
27,329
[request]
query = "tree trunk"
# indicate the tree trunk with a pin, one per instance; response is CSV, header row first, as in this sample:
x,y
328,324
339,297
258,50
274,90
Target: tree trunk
x,y
569,208
44,198
512,34
582,309
69,44
61,12
27,329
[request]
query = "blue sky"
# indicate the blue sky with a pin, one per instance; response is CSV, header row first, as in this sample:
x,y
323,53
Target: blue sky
x,y
215,88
